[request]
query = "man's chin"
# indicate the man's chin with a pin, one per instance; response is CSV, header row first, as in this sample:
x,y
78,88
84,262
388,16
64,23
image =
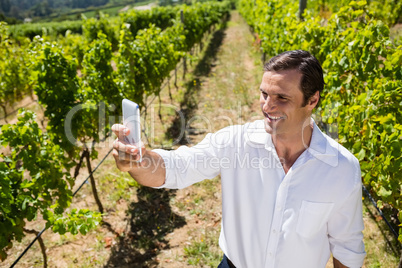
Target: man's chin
x,y
269,128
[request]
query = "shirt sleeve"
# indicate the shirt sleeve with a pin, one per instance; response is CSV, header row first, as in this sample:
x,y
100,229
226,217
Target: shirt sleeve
x,y
188,165
345,228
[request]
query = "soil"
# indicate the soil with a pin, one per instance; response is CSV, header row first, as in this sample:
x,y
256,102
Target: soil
x,y
153,228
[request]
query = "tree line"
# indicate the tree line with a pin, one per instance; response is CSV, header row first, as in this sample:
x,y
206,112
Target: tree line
x,y
13,11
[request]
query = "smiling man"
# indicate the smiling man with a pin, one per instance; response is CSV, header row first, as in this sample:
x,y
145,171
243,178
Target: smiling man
x,y
291,195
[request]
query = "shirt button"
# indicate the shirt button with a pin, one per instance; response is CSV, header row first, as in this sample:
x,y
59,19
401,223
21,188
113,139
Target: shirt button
x,y
274,231
279,208
271,254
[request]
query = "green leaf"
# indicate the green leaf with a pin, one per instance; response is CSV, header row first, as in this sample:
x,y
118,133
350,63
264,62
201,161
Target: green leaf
x,y
384,192
360,156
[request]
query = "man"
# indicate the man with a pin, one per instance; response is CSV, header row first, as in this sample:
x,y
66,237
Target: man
x,y
290,194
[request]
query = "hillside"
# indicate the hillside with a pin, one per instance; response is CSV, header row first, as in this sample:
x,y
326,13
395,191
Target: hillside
x,y
18,10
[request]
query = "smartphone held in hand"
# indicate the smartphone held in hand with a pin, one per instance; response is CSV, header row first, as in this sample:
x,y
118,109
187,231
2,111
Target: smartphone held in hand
x,y
131,119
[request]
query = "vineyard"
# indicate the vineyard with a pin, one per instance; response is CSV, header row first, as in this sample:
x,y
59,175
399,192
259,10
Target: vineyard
x,y
78,74
363,81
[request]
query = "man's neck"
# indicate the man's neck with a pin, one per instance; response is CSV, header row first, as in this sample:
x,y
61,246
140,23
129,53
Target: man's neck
x,y
290,147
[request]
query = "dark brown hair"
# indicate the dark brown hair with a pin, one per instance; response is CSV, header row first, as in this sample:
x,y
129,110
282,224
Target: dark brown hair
x,y
312,79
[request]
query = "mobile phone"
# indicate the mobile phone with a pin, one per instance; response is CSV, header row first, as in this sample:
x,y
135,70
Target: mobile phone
x,y
131,119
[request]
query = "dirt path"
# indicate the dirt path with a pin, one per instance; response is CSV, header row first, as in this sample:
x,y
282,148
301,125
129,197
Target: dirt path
x,y
165,228
158,228
227,95
221,90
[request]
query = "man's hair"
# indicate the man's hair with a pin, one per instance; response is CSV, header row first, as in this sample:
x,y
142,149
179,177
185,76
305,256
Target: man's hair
x,y
312,76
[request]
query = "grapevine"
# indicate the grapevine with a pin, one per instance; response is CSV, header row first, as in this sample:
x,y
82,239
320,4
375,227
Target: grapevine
x,y
363,76
77,85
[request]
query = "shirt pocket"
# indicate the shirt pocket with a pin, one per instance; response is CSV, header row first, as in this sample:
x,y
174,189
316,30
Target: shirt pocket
x,y
312,217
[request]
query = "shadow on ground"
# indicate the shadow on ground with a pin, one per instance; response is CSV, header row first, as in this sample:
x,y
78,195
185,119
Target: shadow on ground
x,y
189,104
150,220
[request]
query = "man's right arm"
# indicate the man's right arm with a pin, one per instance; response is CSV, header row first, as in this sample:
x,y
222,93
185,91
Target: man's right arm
x,y
150,171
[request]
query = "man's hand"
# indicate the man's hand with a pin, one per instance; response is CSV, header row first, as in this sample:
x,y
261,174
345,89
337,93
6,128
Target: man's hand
x,y
150,172
126,155
338,264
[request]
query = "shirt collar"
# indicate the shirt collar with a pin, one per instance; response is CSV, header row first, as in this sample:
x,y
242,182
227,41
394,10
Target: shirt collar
x,y
257,136
321,147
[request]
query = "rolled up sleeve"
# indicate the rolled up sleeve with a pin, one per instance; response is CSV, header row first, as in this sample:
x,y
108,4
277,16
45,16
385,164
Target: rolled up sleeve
x,y
345,229
188,165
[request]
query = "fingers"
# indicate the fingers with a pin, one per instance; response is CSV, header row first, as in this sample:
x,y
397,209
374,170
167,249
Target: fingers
x,y
120,131
127,151
127,156
123,162
120,144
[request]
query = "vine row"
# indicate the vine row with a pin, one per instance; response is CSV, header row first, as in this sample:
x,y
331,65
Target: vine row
x,y
363,76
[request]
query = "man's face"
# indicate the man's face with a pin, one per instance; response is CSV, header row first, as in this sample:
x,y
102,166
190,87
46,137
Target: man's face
x,y
281,103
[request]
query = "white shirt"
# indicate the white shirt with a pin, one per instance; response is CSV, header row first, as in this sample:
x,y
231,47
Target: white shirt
x,y
269,218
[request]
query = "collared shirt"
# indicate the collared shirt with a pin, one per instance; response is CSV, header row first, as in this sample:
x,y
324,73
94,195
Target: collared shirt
x,y
269,218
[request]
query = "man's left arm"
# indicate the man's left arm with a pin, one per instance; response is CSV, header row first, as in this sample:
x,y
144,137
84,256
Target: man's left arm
x,y
345,231
338,264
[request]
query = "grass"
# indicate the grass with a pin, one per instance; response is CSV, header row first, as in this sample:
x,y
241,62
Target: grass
x,y
396,33
203,251
115,185
381,246
213,98
222,83
204,205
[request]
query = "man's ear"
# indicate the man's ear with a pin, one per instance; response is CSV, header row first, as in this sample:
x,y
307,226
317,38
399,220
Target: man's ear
x,y
313,100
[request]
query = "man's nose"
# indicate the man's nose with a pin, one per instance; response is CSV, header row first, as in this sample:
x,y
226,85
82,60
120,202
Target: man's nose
x,y
269,104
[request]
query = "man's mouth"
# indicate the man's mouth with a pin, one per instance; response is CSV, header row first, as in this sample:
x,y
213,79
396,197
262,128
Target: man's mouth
x,y
274,118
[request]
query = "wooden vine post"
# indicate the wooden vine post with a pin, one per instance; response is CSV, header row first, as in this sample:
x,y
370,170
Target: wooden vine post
x,y
92,180
302,7
184,58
